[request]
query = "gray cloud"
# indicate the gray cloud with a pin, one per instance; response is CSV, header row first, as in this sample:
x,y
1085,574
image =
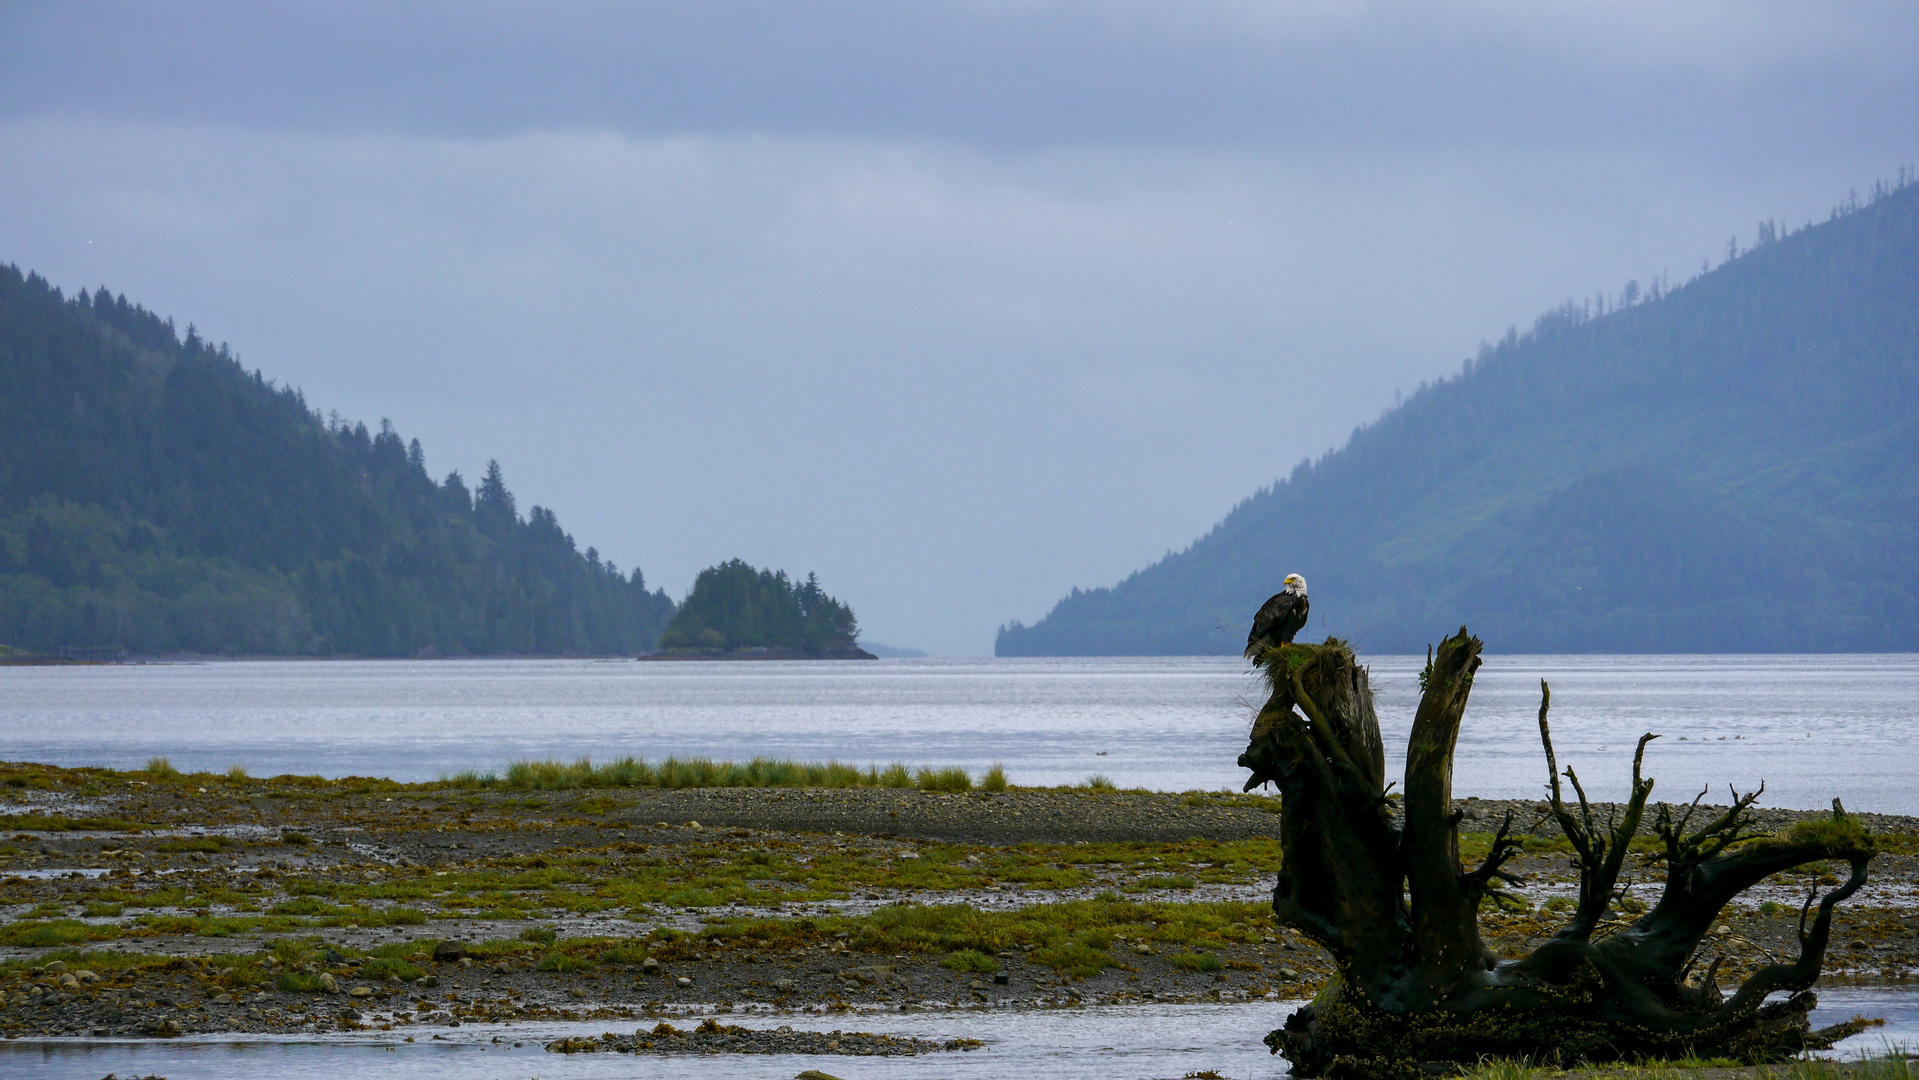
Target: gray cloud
x,y
1012,74
959,305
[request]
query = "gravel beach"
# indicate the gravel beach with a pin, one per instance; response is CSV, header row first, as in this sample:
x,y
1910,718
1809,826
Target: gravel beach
x,y
143,905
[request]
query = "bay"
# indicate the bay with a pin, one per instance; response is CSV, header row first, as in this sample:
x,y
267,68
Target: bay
x,y
1810,727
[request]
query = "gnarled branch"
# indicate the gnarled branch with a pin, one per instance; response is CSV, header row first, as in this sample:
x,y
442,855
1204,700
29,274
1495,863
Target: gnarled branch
x,y
1599,859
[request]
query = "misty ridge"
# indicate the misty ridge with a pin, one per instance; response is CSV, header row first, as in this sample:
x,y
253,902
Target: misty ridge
x,y
1729,465
158,497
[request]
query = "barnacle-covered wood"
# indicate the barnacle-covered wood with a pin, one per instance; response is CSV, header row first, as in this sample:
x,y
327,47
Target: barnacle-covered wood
x,y
1387,895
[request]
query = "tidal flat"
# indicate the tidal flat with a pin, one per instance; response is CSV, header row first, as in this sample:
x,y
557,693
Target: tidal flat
x,y
156,903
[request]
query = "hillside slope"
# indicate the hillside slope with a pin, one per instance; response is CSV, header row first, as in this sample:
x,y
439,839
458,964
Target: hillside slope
x,y
1731,465
155,496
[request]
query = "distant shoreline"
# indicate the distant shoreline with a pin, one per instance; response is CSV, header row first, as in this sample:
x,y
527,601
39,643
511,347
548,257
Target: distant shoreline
x,y
762,654
136,660
251,658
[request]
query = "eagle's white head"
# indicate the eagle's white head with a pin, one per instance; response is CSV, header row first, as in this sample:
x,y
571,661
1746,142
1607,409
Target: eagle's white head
x,y
1295,583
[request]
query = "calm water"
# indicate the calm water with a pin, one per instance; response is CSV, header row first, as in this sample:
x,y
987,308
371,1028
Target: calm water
x,y
1811,726
1120,1043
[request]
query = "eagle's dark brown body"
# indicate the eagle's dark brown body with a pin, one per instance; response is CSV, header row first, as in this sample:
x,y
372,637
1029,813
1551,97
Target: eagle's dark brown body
x,y
1279,618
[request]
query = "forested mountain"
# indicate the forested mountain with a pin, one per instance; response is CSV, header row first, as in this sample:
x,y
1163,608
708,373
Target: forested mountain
x,y
1730,465
156,496
734,608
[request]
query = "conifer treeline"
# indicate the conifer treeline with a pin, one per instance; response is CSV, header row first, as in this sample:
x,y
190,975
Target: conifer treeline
x,y
158,497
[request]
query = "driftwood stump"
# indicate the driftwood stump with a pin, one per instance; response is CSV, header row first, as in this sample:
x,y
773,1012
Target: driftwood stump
x,y
1416,989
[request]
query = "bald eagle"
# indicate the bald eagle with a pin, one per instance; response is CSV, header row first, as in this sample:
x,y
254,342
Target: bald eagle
x,y
1279,618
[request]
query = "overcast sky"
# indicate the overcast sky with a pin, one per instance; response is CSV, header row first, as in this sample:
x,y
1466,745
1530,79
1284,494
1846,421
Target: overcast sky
x,y
959,305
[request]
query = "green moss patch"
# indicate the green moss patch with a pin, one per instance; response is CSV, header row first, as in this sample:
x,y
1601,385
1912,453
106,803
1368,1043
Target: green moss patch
x,y
48,933
969,960
59,823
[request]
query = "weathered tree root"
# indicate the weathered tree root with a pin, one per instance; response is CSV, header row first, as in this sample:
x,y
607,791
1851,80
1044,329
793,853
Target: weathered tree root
x,y
1418,991
1344,1035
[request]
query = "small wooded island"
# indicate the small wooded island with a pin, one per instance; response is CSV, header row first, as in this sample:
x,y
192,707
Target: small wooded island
x,y
738,613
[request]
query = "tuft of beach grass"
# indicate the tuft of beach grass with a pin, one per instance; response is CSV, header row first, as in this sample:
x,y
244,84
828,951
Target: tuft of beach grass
x,y
701,772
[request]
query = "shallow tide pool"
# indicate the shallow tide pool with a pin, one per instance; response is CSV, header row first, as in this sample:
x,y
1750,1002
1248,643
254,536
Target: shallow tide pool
x,y
1141,1042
